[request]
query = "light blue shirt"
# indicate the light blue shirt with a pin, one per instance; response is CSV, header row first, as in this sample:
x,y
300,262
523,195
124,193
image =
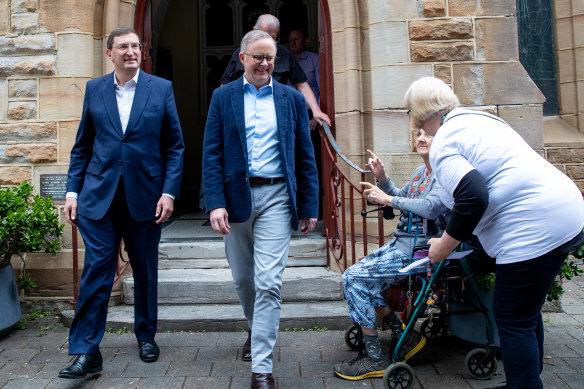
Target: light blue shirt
x,y
261,131
308,61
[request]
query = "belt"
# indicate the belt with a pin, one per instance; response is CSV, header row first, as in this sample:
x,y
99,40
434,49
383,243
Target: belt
x,y
260,181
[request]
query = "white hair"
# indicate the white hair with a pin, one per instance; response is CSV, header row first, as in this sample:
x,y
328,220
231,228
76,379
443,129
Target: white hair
x,y
428,97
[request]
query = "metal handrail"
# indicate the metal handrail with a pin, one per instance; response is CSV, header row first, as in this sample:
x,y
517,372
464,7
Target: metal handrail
x,y
335,203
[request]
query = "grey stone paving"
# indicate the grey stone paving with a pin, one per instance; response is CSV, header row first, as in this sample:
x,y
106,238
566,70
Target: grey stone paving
x,y
31,358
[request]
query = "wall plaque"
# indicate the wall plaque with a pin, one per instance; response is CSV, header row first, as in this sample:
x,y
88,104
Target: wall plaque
x,y
53,185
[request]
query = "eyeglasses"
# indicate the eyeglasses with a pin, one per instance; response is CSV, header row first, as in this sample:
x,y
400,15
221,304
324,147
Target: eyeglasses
x,y
125,47
258,58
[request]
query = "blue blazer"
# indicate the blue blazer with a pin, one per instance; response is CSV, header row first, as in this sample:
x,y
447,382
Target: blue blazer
x,y
149,154
225,158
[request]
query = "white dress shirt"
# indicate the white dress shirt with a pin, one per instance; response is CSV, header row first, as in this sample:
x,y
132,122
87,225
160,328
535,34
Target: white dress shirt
x,y
125,98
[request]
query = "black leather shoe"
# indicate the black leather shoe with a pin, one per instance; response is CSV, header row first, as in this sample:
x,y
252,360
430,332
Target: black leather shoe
x,y
262,381
246,349
149,350
83,364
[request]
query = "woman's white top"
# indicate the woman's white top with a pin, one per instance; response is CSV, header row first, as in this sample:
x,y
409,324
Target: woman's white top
x,y
533,207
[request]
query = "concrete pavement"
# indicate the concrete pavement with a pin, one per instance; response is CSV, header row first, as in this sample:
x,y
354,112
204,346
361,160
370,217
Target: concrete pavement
x,y
31,358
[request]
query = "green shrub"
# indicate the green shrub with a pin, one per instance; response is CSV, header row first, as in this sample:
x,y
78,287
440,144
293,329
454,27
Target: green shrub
x,y
568,270
27,223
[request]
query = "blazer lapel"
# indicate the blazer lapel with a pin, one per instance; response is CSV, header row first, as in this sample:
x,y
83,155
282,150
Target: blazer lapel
x,y
239,111
111,103
281,103
143,89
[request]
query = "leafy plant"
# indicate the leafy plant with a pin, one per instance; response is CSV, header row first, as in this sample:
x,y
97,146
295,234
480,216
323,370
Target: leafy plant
x,y
26,282
568,270
122,331
486,282
34,316
27,223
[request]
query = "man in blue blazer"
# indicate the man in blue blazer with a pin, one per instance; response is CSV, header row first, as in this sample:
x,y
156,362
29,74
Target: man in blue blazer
x,y
259,177
125,171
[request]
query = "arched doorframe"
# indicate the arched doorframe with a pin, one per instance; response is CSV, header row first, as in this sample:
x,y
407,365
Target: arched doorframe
x,y
325,61
143,25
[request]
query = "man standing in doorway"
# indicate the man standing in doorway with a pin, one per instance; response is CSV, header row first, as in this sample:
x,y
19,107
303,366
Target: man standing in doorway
x,y
125,171
259,177
308,61
286,68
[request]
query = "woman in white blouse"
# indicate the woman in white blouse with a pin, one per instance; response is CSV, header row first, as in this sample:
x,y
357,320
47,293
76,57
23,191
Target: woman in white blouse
x,y
527,214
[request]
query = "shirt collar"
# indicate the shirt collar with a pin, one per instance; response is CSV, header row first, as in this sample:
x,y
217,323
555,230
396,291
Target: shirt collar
x,y
134,79
245,82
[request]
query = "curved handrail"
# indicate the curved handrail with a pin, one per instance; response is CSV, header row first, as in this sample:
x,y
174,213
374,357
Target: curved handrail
x,y
338,150
338,185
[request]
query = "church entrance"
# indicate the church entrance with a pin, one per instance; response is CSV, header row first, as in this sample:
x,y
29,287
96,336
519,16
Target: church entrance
x,y
190,42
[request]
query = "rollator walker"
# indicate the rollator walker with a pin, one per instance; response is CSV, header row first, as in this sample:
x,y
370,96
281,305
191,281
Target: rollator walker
x,y
448,299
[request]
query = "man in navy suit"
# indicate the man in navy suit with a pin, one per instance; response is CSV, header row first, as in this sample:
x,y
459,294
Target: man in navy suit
x,y
124,174
259,177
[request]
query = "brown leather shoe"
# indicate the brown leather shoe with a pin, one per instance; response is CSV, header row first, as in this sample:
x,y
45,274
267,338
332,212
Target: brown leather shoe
x,y
246,349
262,381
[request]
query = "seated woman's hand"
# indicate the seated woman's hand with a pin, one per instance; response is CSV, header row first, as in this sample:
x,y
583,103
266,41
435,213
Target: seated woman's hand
x,y
375,195
376,166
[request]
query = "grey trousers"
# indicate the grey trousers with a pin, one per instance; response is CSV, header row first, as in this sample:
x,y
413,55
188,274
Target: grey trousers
x,y
257,251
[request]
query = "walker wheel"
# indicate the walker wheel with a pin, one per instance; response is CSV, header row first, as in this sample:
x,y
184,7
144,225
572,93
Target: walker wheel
x,y
481,364
354,337
398,376
433,328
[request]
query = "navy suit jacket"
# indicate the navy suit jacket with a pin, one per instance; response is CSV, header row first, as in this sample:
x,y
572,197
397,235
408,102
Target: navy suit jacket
x,y
149,154
225,157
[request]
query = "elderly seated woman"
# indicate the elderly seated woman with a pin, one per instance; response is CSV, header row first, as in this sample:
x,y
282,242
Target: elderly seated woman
x,y
364,282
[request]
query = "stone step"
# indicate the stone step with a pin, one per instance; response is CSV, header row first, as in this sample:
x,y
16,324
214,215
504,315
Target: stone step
x,y
221,263
229,317
188,249
215,286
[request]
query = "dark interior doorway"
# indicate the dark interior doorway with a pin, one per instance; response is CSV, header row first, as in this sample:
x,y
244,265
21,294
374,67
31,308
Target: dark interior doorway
x,y
191,43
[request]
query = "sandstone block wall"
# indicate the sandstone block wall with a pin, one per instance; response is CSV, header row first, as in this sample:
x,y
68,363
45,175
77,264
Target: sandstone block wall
x,y
569,16
380,47
48,51
569,158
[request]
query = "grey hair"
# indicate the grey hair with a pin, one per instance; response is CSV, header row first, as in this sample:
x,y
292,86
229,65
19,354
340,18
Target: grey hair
x,y
269,20
252,36
119,32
